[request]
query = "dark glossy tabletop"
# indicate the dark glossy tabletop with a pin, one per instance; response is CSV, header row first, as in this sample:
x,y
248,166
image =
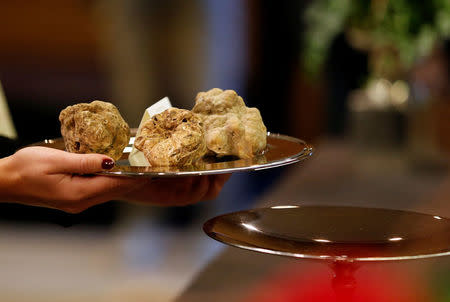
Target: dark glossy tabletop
x,y
340,176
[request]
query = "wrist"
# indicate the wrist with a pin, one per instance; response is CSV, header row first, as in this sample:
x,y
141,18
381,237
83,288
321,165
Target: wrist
x,y
7,179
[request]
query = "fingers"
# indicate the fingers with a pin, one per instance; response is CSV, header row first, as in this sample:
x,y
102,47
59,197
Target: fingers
x,y
86,192
221,179
72,163
83,163
179,191
104,187
89,191
195,189
198,190
52,180
216,184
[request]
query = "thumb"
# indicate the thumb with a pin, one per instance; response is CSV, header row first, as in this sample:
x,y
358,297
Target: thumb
x,y
83,163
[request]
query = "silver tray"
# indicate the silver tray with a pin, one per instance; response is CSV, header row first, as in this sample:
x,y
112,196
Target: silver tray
x,y
281,150
334,233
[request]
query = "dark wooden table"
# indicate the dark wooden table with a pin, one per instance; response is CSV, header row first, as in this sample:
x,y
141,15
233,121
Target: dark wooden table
x,y
338,174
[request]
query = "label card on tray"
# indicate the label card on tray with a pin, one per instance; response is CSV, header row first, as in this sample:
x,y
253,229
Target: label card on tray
x,y
136,157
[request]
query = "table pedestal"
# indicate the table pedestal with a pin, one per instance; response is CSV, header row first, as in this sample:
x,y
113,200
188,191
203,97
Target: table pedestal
x,y
344,282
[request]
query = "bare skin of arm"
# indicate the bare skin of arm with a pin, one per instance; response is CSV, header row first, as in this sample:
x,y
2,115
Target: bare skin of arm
x,y
46,177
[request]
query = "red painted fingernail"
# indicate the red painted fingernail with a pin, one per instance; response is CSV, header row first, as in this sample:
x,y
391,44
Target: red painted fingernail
x,y
107,164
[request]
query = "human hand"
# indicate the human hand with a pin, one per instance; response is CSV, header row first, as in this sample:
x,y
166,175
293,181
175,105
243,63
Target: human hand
x,y
53,178
178,191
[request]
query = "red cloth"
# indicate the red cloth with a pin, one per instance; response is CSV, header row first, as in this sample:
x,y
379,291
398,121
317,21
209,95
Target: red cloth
x,y
377,283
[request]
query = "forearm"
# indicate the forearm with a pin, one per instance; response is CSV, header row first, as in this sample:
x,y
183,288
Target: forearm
x,y
8,175
7,180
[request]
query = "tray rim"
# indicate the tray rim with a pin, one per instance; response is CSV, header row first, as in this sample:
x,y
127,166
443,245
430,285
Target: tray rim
x,y
305,153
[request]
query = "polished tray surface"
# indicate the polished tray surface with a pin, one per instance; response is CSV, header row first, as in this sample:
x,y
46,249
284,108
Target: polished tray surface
x,y
281,150
334,233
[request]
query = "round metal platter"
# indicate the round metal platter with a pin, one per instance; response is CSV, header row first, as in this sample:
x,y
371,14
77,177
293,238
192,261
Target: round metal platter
x,y
281,150
334,233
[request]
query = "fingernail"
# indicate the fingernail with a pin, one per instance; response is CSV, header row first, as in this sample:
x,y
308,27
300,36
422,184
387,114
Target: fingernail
x,y
107,164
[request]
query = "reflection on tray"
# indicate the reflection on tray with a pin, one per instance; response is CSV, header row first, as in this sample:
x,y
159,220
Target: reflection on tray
x,y
207,163
281,150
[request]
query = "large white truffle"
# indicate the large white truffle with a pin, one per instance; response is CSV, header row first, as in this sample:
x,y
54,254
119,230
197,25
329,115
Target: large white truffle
x,y
95,127
231,128
172,138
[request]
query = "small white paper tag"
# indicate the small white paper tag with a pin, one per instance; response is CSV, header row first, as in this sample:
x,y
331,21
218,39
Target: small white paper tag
x,y
136,157
6,124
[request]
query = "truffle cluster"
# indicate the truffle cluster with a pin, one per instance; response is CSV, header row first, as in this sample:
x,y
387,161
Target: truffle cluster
x,y
219,124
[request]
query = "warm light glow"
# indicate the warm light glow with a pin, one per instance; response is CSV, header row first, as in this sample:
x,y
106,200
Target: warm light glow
x,y
284,207
399,93
322,240
359,104
395,239
250,227
437,217
378,92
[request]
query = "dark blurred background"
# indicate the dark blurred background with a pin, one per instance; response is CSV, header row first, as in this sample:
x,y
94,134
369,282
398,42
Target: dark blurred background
x,y
374,74
132,53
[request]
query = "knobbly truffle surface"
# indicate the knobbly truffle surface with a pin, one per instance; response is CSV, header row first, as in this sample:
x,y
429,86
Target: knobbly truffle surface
x,y
231,128
174,137
95,127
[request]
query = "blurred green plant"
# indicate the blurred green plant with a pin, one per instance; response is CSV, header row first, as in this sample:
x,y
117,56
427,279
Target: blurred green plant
x,y
394,33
